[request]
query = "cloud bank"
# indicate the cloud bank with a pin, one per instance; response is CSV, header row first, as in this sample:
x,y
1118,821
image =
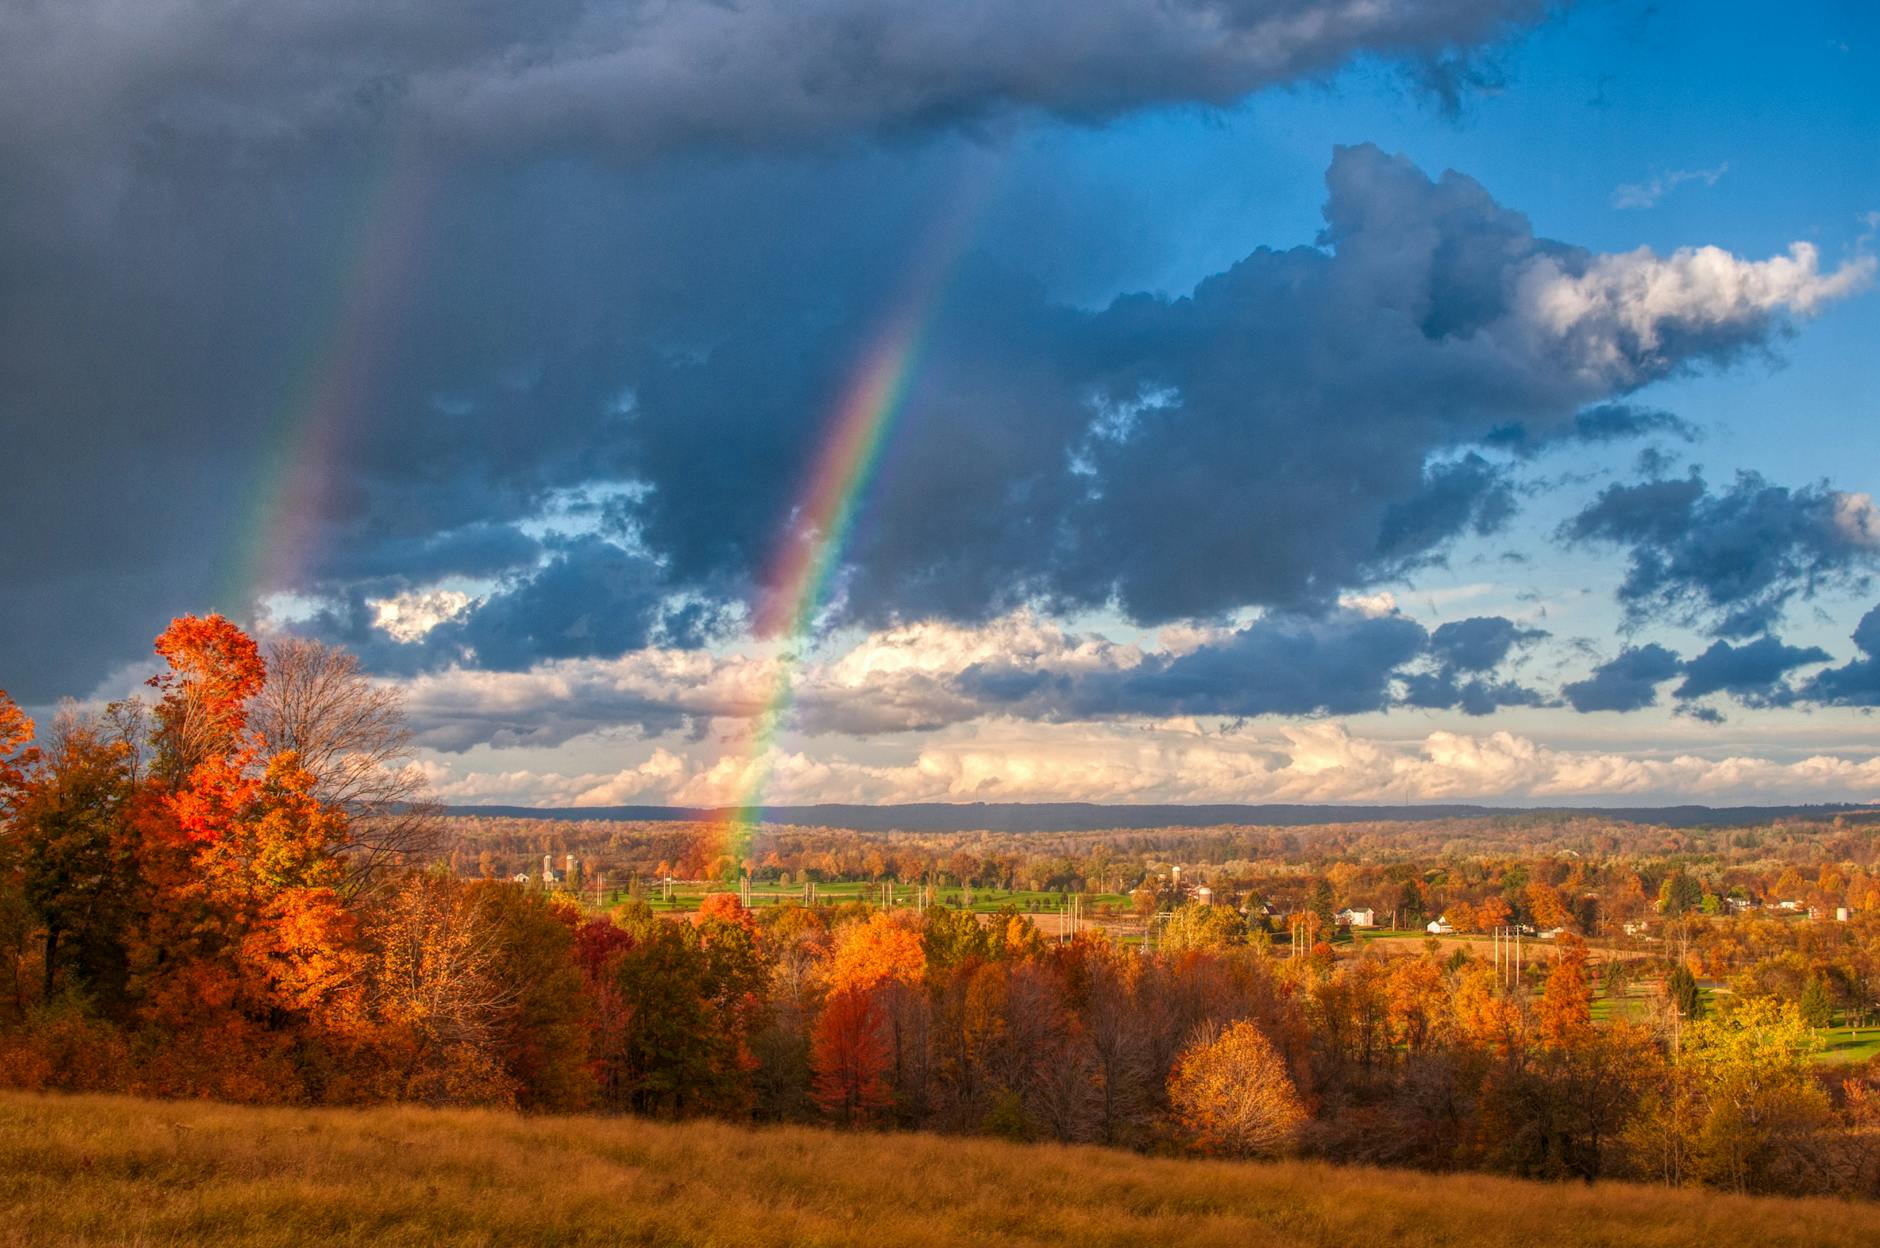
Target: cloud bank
x,y
1176,762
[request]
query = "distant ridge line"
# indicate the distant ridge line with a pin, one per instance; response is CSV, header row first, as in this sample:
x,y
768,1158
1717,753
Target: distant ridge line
x,y
1096,817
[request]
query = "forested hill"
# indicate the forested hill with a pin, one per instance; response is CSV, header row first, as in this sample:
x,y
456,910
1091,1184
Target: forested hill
x,y
1093,817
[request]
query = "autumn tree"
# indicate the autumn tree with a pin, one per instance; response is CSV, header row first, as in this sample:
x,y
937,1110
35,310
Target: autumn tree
x,y
875,952
850,1053
1565,1112
1415,996
1566,1008
350,734
1546,905
18,930
1756,1110
202,711
16,753
75,866
1198,927
541,1039
1232,1094
437,988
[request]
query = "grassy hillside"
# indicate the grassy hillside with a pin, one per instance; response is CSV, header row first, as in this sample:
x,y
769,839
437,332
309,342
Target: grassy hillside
x,y
86,1170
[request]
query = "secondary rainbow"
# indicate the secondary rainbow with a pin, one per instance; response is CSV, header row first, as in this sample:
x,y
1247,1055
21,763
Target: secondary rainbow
x,y
281,533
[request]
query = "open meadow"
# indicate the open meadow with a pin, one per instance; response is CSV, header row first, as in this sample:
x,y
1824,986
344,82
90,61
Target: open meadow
x,y
109,1170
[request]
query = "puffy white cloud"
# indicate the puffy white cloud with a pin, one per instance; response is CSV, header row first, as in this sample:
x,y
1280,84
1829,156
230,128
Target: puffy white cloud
x,y
1627,316
1857,519
926,676
409,616
894,680
1176,761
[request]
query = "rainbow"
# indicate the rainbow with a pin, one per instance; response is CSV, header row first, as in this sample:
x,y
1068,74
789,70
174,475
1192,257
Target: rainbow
x,y
804,568
279,535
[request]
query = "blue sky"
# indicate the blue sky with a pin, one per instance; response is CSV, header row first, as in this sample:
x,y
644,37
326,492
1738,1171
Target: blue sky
x,y
493,347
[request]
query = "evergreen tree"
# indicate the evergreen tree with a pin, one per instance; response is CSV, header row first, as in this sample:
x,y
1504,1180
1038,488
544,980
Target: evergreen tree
x,y
1681,987
1817,1006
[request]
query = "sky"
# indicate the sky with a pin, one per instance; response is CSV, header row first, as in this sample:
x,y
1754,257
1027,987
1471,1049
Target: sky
x,y
858,400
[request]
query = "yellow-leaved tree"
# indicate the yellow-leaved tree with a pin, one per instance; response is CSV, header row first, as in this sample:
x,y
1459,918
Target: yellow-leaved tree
x,y
1233,1096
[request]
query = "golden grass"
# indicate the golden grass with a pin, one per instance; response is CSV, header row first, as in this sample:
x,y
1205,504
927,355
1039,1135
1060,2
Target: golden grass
x,y
110,1170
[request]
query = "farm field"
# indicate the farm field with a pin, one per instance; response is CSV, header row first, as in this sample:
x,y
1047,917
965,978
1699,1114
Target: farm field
x,y
102,1170
687,896
1844,1046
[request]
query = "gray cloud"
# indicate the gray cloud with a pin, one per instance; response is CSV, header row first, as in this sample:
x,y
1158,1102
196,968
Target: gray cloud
x,y
1628,682
637,79
1302,424
1345,662
1753,672
1857,682
1733,559
1308,421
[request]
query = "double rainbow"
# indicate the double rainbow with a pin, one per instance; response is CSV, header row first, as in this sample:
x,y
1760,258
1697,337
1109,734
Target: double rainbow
x,y
282,532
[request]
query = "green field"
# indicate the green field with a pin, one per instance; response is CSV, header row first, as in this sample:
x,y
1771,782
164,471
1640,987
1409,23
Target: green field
x,y
1842,1046
687,896
105,1170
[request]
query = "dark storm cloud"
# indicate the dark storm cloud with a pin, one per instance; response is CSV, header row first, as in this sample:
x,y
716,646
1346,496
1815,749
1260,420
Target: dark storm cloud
x,y
1345,662
189,192
1598,425
591,600
1480,642
1857,682
641,79
1731,560
1753,672
1302,424
1443,690
475,550
1340,665
199,233
1626,683
588,599
1464,654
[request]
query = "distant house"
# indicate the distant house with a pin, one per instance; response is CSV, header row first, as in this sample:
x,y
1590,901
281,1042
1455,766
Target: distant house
x,y
1791,906
1552,933
522,877
1440,927
1358,918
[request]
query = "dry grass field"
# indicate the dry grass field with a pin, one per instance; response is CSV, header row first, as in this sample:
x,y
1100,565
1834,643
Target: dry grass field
x,y
103,1170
